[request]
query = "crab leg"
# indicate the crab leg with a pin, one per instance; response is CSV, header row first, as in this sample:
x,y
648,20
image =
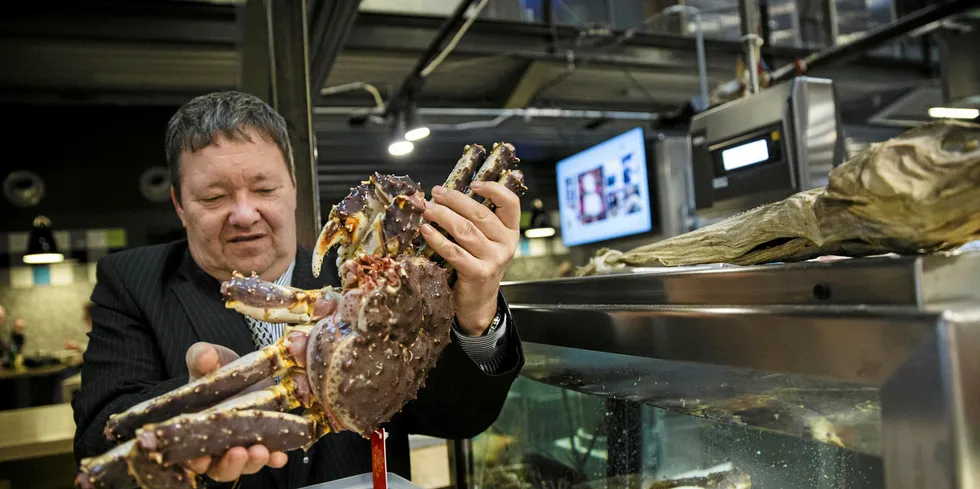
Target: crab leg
x,y
275,359
501,158
146,473
459,179
213,433
273,303
513,180
126,467
473,156
110,470
107,471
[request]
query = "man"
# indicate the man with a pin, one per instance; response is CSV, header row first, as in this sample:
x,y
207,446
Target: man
x,y
159,319
17,338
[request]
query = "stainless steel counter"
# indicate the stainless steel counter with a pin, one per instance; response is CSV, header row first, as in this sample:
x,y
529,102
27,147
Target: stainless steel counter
x,y
886,350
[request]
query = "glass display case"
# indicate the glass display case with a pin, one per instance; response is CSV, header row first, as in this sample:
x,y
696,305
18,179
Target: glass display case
x,y
856,373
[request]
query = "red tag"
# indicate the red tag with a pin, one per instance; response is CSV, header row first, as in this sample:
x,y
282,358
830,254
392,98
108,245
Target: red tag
x,y
379,466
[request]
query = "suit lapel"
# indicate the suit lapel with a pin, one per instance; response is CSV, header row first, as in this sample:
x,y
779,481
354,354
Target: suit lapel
x,y
200,296
303,271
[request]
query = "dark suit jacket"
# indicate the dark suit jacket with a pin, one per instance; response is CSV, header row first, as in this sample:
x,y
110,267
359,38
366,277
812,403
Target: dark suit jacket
x,y
153,303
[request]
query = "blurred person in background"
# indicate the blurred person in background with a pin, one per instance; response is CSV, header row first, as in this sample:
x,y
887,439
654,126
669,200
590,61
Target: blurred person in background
x,y
17,337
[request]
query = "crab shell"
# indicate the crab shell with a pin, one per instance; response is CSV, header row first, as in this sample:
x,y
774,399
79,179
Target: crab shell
x,y
367,361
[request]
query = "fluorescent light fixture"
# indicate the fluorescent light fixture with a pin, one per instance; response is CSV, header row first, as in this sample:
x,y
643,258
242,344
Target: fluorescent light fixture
x,y
420,132
745,155
43,258
953,113
534,233
400,148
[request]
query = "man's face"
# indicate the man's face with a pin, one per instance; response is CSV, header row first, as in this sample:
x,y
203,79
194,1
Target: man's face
x,y
18,326
238,204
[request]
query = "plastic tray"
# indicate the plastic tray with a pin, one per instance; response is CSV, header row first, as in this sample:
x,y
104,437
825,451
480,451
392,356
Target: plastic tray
x,y
365,481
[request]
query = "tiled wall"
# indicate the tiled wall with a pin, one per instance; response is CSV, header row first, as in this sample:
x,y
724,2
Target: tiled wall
x,y
50,298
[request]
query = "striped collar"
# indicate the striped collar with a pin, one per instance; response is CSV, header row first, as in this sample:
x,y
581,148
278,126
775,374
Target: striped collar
x,y
286,278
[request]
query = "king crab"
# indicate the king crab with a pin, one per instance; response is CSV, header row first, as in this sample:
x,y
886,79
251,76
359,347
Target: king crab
x,y
352,359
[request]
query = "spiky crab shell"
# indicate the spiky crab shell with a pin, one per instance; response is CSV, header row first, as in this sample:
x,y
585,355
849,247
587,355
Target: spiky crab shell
x,y
366,362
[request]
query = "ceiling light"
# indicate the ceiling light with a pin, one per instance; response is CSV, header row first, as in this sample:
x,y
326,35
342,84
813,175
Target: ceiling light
x,y
539,233
41,247
953,113
420,132
400,148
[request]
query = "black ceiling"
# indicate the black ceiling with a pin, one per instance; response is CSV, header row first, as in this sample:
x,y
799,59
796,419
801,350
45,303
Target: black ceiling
x,y
164,52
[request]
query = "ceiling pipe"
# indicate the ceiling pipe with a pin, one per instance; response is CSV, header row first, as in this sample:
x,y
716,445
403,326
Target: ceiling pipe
x,y
749,21
699,43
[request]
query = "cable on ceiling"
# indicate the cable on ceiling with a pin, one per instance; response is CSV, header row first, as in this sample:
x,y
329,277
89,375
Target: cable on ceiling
x,y
455,40
349,87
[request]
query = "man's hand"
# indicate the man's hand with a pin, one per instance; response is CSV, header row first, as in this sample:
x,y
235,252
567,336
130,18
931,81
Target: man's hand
x,y
202,359
485,244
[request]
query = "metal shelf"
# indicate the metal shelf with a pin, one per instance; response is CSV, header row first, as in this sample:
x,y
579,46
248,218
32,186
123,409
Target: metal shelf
x,y
885,349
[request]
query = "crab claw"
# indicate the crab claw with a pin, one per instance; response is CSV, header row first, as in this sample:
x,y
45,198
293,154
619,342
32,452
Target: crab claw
x,y
348,222
329,237
278,303
380,217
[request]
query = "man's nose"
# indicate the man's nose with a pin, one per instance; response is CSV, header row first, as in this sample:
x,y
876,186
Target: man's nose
x,y
244,214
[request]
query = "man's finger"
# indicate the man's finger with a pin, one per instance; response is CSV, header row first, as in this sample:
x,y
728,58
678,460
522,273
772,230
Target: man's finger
x,y
258,456
485,220
199,465
230,466
507,202
465,233
277,460
459,258
203,358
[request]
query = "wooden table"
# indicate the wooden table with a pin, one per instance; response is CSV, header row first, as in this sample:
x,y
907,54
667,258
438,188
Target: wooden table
x,y
36,432
23,382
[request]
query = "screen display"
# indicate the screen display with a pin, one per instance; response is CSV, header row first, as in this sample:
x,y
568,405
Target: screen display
x,y
603,191
745,155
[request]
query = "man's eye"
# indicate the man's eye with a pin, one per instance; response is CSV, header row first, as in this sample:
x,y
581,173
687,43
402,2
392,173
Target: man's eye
x,y
266,190
211,199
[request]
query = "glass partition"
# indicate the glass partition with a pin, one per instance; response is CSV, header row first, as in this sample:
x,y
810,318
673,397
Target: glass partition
x,y
548,437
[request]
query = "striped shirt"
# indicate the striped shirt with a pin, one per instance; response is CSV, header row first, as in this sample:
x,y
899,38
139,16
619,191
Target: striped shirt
x,y
487,351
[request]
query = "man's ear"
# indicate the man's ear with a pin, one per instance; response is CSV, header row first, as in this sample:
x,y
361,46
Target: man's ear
x,y
177,207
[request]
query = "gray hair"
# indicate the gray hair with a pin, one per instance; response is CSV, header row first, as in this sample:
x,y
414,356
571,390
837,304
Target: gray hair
x,y
198,123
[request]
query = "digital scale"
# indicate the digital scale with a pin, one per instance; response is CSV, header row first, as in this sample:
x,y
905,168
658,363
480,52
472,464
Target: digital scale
x,y
765,147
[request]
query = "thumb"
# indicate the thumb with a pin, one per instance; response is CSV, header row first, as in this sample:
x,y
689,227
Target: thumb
x,y
204,358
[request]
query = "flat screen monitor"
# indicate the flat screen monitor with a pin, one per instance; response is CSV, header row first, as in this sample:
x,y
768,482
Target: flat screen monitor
x,y
603,192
